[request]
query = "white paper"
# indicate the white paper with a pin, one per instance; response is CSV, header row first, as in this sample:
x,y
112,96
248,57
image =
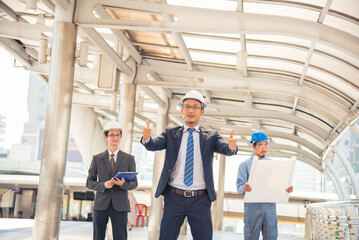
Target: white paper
x,y
269,180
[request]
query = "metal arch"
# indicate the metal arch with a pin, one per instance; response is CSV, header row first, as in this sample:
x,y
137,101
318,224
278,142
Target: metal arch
x,y
267,42
220,21
244,131
310,7
287,60
229,72
252,84
336,186
349,170
244,112
330,168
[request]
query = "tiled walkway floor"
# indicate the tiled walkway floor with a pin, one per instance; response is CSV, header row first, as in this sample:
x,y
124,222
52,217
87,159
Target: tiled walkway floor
x,y
21,229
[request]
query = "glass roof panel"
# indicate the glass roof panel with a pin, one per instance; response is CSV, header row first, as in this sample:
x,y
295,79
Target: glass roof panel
x,y
161,52
334,82
342,25
276,51
280,10
129,14
349,7
152,37
218,4
272,64
282,39
337,53
341,69
212,44
213,58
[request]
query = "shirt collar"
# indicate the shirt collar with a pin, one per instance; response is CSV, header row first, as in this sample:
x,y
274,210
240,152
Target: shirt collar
x,y
196,128
115,152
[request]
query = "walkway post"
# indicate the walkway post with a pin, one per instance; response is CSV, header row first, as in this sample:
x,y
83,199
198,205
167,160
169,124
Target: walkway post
x,y
57,125
218,212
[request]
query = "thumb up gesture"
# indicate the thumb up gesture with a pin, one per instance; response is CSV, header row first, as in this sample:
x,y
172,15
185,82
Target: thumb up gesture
x,y
147,131
232,142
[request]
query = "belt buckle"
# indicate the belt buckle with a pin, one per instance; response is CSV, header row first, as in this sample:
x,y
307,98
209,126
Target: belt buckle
x,y
188,193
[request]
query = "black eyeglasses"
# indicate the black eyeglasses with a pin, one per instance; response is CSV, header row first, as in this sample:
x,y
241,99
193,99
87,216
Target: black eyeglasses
x,y
187,107
114,135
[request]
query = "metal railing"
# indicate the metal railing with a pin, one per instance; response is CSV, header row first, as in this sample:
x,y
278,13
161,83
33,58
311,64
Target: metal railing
x,y
334,220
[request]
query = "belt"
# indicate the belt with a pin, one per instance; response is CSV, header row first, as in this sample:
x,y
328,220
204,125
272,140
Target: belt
x,y
188,193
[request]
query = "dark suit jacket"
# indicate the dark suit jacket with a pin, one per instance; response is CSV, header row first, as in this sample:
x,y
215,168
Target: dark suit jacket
x,y
170,140
100,172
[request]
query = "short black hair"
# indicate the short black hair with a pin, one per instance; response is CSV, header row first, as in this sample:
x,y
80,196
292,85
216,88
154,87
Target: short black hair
x,y
105,133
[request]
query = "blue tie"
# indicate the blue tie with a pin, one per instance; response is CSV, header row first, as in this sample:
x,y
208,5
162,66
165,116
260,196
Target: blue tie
x,y
188,169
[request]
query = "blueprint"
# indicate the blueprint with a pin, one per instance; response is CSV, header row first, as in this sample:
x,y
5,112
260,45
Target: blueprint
x,y
269,180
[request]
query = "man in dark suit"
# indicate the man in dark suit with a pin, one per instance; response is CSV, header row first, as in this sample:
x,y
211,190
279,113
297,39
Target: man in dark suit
x,y
111,194
187,176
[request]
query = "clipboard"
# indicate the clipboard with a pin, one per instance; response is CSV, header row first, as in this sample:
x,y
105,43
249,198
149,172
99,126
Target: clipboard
x,y
128,176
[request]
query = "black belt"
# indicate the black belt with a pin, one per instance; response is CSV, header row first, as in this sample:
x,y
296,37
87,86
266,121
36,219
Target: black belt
x,y
188,193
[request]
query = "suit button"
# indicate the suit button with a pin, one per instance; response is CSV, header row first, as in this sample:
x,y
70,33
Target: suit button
x,y
169,170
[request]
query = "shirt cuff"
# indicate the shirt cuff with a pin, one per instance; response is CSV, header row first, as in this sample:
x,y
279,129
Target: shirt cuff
x,y
144,141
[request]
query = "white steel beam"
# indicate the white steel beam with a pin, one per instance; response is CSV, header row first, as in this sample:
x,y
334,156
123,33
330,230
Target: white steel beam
x,y
22,30
16,50
85,75
153,95
324,12
191,19
11,13
97,39
119,34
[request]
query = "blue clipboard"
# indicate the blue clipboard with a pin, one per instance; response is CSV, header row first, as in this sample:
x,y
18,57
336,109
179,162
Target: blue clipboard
x,y
128,176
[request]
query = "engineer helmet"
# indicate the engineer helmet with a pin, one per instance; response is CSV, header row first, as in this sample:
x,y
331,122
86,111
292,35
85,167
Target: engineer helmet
x,y
110,126
194,95
259,136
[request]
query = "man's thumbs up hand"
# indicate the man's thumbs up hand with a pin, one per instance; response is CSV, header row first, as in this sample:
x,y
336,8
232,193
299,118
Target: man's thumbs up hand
x,y
147,131
232,142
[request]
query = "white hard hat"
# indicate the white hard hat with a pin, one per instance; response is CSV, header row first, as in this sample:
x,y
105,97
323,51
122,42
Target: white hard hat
x,y
194,95
111,125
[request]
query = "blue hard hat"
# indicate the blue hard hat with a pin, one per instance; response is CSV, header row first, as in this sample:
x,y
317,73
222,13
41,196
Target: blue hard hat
x,y
258,136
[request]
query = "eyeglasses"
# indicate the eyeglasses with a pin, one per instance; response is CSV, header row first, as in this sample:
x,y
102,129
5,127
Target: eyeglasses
x,y
187,107
262,146
114,135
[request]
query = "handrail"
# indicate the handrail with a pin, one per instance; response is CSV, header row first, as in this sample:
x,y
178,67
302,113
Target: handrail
x,y
334,220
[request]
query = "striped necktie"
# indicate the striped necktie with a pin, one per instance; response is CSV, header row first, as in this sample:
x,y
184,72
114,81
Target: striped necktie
x,y
188,170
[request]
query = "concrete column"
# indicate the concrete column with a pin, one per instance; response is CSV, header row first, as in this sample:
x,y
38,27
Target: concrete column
x,y
126,115
156,203
57,125
337,179
87,132
349,170
218,211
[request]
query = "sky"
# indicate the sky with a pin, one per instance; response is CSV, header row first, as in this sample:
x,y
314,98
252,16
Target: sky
x,y
14,82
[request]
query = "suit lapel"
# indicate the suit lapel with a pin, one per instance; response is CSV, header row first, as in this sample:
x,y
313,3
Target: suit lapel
x,y
106,158
202,136
119,160
179,134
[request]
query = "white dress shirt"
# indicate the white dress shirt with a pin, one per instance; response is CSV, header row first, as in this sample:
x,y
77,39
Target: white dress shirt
x,y
114,154
177,175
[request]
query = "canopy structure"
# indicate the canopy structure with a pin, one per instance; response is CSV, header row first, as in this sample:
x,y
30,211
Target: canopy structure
x,y
289,68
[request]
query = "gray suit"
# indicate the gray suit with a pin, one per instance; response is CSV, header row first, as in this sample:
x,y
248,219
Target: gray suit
x,y
100,172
